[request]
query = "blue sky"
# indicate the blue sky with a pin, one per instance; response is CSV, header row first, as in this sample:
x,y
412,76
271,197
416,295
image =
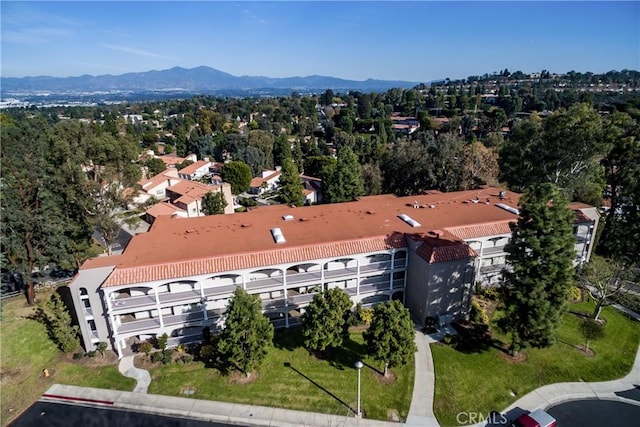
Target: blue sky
x,y
415,41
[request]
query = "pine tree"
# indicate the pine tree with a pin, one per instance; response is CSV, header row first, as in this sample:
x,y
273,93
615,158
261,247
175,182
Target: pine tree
x,y
247,334
390,338
324,323
345,181
61,329
290,188
214,203
540,253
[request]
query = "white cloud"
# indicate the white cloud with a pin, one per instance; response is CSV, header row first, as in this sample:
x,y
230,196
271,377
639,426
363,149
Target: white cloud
x,y
135,51
34,35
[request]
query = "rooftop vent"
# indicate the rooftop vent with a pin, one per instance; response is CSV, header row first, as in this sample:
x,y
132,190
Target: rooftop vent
x,y
245,225
412,222
278,237
288,217
508,208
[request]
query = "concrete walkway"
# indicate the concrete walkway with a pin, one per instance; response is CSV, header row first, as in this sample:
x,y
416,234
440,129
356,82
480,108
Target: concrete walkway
x,y
421,409
142,376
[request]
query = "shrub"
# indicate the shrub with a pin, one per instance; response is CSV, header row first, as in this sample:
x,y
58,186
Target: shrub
x,y
448,339
102,347
145,347
91,353
161,341
491,292
156,357
366,315
575,294
78,356
478,314
167,357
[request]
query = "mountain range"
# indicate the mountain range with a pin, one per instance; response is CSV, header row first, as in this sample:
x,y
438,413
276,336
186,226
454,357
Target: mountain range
x,y
198,79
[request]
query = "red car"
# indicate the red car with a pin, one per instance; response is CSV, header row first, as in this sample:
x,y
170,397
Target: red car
x,y
537,418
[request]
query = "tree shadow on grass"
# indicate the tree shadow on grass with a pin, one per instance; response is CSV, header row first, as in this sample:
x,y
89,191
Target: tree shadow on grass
x,y
288,339
476,338
346,355
342,402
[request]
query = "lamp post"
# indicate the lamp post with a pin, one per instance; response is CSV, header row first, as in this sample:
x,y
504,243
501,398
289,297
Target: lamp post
x,y
359,366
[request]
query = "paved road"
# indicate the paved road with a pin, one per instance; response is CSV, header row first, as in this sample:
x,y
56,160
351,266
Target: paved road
x,y
596,413
48,414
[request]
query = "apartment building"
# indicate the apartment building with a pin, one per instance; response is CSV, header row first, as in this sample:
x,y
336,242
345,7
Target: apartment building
x,y
426,250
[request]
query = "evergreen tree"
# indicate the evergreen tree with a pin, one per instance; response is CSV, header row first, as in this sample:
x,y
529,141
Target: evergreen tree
x,y
325,321
621,235
290,188
540,253
297,155
390,338
281,150
247,334
344,183
238,175
214,203
60,327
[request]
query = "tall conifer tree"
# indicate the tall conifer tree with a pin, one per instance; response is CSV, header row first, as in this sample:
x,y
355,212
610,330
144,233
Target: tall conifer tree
x,y
540,254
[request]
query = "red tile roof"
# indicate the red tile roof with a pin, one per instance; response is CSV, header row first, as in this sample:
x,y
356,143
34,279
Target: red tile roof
x,y
434,250
123,276
172,247
480,230
192,168
162,209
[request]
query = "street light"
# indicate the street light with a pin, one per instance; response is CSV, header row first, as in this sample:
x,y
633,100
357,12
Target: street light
x,y
359,366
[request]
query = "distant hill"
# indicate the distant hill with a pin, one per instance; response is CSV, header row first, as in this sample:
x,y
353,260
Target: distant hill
x,y
199,79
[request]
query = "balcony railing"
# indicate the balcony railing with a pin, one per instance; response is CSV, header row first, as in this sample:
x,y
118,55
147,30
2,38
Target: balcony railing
x,y
180,319
139,325
492,250
87,312
173,297
130,303
273,304
220,290
492,268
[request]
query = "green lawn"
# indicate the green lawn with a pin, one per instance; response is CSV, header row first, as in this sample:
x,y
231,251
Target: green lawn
x,y
291,378
26,350
482,381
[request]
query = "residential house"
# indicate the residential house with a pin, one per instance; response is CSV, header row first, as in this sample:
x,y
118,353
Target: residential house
x,y
196,170
188,195
266,181
312,189
404,125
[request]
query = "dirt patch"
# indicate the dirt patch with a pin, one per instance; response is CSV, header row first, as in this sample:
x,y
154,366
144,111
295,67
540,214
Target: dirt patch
x,y
109,359
241,378
143,361
583,350
518,358
389,379
7,375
